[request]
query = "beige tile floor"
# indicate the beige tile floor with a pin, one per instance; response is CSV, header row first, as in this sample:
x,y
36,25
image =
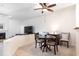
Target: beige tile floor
x,y
30,50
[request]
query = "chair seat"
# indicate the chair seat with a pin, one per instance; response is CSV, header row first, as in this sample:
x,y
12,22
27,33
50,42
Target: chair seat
x,y
51,43
64,40
40,40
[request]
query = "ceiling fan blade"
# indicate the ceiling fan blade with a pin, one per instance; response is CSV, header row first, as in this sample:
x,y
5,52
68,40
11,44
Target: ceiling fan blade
x,y
50,10
37,8
51,5
41,4
44,4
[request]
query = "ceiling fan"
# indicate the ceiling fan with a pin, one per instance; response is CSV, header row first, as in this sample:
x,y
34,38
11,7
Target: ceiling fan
x,y
45,6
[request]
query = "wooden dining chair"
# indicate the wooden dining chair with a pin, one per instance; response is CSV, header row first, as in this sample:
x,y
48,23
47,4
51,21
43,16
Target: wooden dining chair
x,y
37,40
65,37
53,40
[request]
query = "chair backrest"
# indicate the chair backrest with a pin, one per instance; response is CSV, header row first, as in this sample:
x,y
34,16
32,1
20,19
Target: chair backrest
x,y
36,36
53,38
65,36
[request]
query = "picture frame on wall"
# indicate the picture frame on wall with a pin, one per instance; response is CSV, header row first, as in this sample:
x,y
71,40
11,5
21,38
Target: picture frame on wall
x,y
1,26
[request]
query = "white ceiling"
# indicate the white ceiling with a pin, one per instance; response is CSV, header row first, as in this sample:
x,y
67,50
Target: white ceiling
x,y
24,10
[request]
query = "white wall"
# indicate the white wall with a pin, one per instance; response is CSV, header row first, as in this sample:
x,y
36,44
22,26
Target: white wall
x,y
62,20
11,26
14,27
77,30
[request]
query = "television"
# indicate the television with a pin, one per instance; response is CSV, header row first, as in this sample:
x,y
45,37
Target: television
x,y
28,30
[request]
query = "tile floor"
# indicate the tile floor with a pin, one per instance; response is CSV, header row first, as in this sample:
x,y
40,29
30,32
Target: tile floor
x,y
30,50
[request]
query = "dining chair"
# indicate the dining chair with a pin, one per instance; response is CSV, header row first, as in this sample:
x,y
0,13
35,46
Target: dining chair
x,y
37,40
65,37
53,41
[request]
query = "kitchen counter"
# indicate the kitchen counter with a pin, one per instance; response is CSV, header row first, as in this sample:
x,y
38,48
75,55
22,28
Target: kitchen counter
x,y
12,44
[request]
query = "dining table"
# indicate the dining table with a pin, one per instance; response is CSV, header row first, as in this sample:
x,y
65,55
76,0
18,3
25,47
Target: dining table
x,y
45,38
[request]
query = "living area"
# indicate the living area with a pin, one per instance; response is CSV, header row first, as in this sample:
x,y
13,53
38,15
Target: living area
x,y
20,22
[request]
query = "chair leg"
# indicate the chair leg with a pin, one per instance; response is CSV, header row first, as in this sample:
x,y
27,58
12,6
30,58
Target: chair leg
x,y
36,45
41,46
43,49
67,44
46,48
54,49
57,48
